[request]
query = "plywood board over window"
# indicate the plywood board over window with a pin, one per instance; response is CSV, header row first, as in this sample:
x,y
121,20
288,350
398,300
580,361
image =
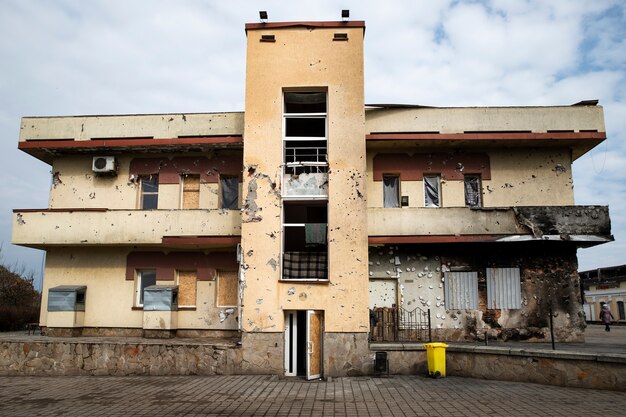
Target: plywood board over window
x,y
187,288
227,288
191,191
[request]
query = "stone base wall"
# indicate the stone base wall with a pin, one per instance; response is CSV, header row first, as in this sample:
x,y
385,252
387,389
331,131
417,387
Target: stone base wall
x,y
567,370
344,355
133,332
262,353
64,358
561,368
347,354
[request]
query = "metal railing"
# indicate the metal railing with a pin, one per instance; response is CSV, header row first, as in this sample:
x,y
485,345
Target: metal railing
x,y
396,324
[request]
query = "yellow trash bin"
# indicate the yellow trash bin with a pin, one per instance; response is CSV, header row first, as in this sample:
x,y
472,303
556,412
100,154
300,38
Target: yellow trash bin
x,y
436,355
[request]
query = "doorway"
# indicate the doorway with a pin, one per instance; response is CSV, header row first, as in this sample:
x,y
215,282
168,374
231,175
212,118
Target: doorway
x,y
303,343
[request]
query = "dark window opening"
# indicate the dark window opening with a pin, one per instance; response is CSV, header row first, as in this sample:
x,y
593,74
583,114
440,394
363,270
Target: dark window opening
x,y
620,310
229,192
308,156
305,242
307,102
472,191
150,192
146,278
305,127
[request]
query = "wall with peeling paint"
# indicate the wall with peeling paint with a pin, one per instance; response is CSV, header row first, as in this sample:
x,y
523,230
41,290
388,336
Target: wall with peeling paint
x,y
323,65
131,126
486,119
548,280
519,177
110,297
75,185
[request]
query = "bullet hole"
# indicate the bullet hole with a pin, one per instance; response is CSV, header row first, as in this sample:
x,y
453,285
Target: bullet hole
x,y
559,169
20,219
56,179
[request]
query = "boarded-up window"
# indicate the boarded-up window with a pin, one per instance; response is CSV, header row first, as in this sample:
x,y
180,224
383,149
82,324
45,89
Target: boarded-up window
x,y
229,192
191,191
472,191
503,288
227,284
461,290
187,288
432,191
391,191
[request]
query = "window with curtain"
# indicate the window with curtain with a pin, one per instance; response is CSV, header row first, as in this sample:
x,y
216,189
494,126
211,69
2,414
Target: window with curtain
x,y
391,191
432,191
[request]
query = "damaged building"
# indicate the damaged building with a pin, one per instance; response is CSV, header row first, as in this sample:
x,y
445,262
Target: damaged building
x,y
286,224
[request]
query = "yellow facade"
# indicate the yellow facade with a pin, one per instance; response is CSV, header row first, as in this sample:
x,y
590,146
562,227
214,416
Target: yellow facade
x,y
335,68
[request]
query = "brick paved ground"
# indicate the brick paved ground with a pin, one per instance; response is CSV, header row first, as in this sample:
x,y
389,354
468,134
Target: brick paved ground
x,y
271,396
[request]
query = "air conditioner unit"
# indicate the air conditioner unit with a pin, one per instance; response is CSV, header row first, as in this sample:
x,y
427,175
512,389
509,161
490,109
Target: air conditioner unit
x,y
104,165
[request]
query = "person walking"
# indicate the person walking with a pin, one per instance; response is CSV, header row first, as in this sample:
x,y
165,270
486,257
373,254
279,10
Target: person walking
x,y
606,317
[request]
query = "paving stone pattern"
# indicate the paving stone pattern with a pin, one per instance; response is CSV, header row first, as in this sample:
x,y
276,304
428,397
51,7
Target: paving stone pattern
x,y
271,396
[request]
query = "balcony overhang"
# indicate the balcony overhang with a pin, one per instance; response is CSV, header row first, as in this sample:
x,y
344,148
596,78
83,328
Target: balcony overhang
x,y
47,137
149,228
581,226
579,142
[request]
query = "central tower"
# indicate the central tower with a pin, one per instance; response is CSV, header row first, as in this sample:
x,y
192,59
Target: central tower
x,y
304,267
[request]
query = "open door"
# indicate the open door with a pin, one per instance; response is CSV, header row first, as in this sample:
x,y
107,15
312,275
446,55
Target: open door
x,y
314,345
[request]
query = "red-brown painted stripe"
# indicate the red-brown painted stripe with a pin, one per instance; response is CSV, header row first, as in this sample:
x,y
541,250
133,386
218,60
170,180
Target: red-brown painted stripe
x,y
207,240
123,143
485,136
58,210
279,25
383,240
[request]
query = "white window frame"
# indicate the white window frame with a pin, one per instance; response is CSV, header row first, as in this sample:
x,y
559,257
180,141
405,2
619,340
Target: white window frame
x,y
282,247
138,290
319,166
143,192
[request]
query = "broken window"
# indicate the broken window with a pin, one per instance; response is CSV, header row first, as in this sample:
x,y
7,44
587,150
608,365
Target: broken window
x,y
472,191
187,288
149,192
190,191
503,288
229,192
461,290
145,278
391,191
432,191
305,243
305,143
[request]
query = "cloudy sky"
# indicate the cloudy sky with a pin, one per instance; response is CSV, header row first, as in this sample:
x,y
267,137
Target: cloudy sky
x,y
76,57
